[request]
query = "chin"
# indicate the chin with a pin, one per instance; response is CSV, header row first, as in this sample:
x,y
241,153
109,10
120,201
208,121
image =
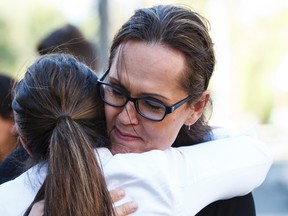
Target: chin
x,y
119,150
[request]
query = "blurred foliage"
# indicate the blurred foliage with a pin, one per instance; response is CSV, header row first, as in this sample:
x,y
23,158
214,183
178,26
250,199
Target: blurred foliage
x,y
258,48
23,24
7,55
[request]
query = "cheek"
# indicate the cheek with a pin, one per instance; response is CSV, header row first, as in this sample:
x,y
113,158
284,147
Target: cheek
x,y
109,116
5,131
163,134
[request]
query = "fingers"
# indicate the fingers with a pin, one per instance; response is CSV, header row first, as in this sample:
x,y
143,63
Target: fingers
x,y
37,209
126,208
117,194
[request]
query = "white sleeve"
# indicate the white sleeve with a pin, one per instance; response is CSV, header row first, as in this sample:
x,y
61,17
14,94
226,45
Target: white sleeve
x,y
16,195
182,181
218,169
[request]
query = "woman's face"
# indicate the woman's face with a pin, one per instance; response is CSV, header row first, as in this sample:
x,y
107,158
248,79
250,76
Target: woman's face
x,y
146,70
7,137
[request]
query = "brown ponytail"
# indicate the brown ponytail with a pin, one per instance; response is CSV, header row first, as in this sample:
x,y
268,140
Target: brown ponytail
x,y
74,173
60,116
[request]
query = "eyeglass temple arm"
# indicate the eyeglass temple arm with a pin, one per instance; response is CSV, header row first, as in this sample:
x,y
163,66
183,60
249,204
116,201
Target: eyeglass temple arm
x,y
101,78
175,106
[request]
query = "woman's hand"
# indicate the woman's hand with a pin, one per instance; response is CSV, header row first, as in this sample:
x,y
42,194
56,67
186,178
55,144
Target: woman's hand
x,y
116,195
37,209
126,208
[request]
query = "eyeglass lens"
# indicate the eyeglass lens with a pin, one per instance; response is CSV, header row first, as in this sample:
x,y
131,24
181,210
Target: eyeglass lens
x,y
146,107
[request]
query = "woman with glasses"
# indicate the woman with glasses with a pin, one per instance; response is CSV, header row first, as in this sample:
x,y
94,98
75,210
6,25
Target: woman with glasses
x,y
155,90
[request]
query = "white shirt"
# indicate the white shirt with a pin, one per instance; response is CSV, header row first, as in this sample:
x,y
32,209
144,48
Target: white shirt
x,y
178,181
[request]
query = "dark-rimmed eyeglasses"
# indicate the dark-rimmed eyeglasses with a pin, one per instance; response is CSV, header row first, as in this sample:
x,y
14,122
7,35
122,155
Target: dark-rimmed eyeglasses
x,y
148,108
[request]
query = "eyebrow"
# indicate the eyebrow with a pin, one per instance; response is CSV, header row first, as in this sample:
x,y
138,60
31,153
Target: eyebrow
x,y
113,80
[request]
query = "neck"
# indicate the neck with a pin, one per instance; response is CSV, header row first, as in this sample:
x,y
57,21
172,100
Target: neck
x,y
7,148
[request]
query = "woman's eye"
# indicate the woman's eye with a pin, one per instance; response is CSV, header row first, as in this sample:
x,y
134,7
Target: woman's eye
x,y
116,92
153,105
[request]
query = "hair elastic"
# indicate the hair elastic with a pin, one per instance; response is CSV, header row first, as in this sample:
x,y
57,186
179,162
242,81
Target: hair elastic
x,y
62,116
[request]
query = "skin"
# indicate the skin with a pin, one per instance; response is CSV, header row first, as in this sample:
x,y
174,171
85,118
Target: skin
x,y
37,209
7,138
126,208
149,70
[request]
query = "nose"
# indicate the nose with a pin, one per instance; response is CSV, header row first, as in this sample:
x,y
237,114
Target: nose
x,y
128,115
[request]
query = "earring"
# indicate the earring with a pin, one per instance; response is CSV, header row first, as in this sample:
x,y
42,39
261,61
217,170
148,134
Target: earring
x,y
189,127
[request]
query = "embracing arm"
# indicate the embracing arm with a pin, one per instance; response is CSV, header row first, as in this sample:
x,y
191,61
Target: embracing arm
x,y
204,173
219,169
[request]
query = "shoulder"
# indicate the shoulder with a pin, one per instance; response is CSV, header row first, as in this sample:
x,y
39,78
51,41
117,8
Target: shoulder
x,y
16,195
221,132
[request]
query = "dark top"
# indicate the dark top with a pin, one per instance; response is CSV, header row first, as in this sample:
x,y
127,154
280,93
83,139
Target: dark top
x,y
13,165
238,206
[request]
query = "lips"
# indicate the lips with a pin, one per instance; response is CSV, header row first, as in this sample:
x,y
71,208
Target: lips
x,y
125,136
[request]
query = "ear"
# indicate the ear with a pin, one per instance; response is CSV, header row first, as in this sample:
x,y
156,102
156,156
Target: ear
x,y
22,140
13,130
24,144
197,108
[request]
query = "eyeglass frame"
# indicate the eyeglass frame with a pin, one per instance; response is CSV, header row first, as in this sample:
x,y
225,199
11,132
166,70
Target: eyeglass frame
x,y
168,109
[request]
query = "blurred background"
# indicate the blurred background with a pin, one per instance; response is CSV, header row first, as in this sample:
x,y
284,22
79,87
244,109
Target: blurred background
x,y
250,83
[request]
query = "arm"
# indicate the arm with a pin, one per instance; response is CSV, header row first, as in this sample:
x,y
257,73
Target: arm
x,y
236,206
222,169
165,182
204,173
16,195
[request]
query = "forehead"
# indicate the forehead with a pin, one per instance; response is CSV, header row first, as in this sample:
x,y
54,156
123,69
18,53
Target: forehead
x,y
148,65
